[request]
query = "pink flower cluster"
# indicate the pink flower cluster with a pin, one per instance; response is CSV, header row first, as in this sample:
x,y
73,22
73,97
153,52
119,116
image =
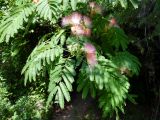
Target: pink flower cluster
x,y
80,24
95,8
90,54
113,23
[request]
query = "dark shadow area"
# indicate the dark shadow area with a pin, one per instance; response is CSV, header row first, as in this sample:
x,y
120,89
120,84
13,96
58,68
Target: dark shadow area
x,y
78,109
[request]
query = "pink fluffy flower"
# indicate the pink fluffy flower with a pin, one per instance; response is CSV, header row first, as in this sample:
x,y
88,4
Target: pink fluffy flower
x,y
113,23
92,5
95,8
66,21
90,54
80,31
80,25
76,18
87,21
87,32
77,30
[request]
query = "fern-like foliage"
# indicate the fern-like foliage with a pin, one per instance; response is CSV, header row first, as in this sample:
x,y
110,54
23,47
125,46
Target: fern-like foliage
x,y
49,10
84,83
101,72
115,95
61,70
11,23
43,54
123,3
60,52
117,38
108,82
20,2
67,4
61,76
125,59
24,11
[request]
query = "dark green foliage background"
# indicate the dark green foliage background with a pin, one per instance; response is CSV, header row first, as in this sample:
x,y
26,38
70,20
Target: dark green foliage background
x,y
40,60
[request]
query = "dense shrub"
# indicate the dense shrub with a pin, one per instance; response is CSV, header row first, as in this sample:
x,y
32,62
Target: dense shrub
x,y
26,107
58,43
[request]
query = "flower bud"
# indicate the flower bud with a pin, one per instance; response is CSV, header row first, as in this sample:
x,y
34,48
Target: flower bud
x,y
95,8
113,23
90,54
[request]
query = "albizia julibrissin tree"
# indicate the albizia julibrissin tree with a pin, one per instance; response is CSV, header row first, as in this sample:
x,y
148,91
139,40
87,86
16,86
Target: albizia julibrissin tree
x,y
81,40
